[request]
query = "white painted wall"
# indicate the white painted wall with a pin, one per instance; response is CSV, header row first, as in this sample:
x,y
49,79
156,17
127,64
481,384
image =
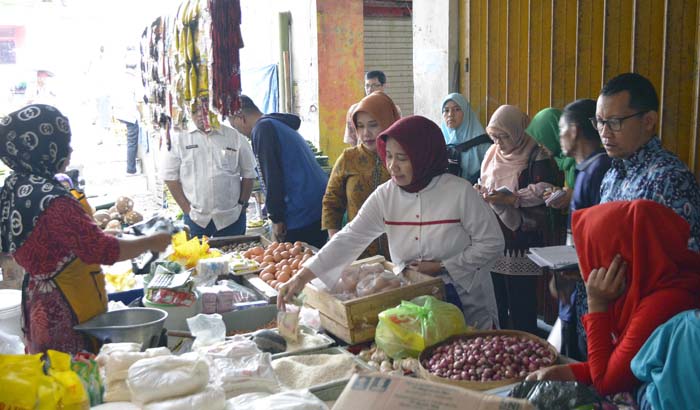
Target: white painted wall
x,y
435,53
260,30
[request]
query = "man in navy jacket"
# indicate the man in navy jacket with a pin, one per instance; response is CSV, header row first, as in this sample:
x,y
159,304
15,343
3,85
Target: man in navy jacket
x,y
294,182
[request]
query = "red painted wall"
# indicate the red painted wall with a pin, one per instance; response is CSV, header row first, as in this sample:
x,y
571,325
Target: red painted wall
x,y
341,68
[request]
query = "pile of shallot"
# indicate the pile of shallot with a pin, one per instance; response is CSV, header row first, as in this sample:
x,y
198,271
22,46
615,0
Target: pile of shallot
x,y
487,358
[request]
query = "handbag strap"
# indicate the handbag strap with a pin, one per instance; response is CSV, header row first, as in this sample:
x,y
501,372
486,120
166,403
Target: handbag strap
x,y
467,145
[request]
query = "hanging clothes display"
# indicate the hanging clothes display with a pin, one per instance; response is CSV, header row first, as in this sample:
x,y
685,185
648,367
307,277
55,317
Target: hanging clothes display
x,y
227,42
192,58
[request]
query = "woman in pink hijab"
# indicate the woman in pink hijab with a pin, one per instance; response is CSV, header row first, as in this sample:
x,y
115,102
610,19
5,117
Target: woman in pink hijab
x,y
514,174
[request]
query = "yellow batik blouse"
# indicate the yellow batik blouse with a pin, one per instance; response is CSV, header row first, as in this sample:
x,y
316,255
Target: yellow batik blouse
x,y
356,174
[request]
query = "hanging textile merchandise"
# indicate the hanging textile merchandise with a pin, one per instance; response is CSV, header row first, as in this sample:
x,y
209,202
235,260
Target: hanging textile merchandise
x,y
192,58
227,40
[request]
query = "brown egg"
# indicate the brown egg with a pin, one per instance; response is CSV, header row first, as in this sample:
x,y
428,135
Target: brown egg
x,y
287,269
258,250
308,252
285,255
258,259
264,265
269,258
298,243
277,256
283,277
295,251
267,276
273,283
295,264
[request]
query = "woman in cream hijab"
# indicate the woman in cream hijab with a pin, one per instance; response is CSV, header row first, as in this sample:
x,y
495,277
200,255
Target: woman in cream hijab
x,y
514,175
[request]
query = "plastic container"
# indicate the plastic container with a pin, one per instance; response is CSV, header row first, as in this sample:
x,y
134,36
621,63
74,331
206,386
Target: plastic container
x,y
11,311
177,315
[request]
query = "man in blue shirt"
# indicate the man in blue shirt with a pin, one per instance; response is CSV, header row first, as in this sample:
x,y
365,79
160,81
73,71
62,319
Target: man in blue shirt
x,y
294,182
580,140
626,118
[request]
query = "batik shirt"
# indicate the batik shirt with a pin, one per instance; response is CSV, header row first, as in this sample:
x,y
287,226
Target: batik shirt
x,y
656,174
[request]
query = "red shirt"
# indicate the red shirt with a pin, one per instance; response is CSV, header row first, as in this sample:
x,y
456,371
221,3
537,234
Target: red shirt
x,y
64,229
609,355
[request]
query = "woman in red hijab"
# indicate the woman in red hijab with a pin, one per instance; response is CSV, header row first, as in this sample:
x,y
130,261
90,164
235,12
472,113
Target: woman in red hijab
x,y
435,222
650,277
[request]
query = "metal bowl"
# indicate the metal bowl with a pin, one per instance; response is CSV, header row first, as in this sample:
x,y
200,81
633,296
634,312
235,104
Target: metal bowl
x,y
135,325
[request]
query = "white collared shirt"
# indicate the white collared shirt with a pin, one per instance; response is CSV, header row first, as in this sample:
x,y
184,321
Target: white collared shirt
x,y
210,168
445,221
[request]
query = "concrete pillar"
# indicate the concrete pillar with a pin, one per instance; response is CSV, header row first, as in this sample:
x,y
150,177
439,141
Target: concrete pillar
x,y
340,68
435,54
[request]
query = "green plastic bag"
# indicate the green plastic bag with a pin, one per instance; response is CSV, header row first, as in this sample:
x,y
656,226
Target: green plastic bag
x,y
407,329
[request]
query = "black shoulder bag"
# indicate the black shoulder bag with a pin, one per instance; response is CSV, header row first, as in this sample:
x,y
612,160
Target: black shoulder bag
x,y
454,153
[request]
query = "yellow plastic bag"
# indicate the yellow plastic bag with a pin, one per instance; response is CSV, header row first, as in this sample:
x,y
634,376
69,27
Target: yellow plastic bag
x,y
188,253
74,395
23,384
407,329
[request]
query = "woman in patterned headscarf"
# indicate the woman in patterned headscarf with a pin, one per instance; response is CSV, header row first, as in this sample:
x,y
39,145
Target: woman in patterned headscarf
x,y
50,234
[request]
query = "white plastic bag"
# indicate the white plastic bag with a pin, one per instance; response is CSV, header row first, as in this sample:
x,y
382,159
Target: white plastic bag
x,y
244,374
211,398
115,365
10,344
166,377
237,345
207,329
288,323
310,317
289,400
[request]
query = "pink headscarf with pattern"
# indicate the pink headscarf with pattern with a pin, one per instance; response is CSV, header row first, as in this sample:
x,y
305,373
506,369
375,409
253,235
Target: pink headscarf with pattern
x,y
499,169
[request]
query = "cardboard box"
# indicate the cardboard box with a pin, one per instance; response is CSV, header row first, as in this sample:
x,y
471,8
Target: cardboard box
x,y
355,320
377,391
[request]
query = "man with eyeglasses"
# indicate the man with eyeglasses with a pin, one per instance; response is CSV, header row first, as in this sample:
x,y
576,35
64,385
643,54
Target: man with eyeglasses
x,y
626,118
374,81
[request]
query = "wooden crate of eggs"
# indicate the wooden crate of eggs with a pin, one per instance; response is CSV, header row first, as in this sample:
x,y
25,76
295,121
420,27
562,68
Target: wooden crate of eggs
x,y
354,319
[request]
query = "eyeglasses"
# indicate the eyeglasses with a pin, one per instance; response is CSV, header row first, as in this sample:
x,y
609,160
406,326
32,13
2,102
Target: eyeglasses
x,y
615,124
373,86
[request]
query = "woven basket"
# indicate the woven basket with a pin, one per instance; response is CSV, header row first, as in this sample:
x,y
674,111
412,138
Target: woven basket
x,y
479,385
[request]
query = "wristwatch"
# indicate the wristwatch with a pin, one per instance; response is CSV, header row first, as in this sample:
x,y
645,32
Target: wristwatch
x,y
242,203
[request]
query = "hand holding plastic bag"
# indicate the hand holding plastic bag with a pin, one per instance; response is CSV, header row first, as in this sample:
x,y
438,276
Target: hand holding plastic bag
x,y
404,331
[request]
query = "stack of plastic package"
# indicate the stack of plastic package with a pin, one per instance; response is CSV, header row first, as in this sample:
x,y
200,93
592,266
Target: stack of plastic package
x,y
225,297
114,360
174,383
239,367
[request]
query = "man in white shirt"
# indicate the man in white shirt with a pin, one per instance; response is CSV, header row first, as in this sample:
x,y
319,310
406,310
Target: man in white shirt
x,y
210,174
